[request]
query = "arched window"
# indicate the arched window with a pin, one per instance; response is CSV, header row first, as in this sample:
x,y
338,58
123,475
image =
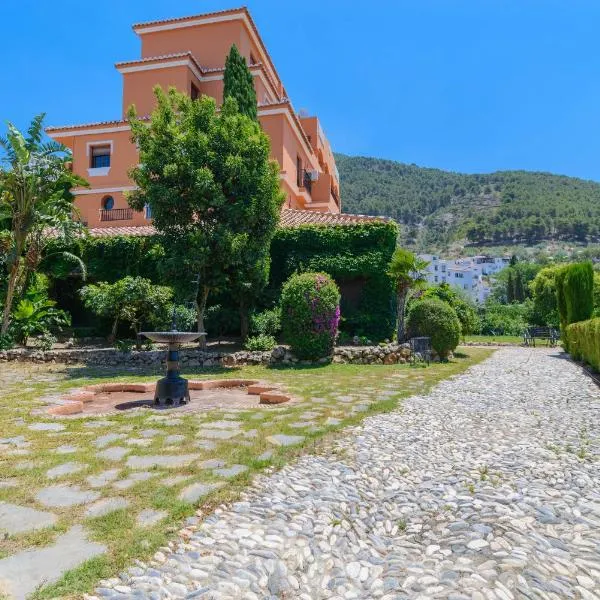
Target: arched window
x,y
108,203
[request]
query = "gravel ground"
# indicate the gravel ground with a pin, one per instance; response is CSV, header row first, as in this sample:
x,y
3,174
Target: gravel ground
x,y
488,487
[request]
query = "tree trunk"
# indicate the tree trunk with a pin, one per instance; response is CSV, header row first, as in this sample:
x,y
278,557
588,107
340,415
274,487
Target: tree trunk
x,y
113,333
244,320
10,294
200,310
400,314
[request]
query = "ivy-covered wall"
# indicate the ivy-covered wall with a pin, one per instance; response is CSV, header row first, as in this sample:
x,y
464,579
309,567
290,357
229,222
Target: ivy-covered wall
x,y
356,256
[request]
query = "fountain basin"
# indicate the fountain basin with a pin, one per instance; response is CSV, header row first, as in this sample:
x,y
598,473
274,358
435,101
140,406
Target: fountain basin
x,y
172,390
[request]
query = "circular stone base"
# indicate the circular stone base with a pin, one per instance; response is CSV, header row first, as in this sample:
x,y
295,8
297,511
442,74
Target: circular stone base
x,y
113,398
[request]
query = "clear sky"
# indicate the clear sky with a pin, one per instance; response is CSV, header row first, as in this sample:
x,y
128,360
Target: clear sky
x,y
465,85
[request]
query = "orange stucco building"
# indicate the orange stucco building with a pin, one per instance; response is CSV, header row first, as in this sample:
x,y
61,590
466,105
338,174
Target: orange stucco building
x,y
189,53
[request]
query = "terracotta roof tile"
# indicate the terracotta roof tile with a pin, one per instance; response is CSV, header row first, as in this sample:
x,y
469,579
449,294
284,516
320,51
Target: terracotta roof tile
x,y
289,218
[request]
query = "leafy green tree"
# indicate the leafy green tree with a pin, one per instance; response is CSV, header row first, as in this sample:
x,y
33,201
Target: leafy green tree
x,y
35,199
213,191
131,300
238,83
543,291
407,271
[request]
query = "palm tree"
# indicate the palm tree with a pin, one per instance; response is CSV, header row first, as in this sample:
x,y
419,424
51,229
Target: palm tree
x,y
35,205
407,271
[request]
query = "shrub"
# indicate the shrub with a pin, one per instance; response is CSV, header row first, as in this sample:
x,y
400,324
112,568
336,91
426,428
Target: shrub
x,y
260,342
185,318
45,342
267,322
310,310
561,303
436,319
464,306
579,292
6,341
583,341
505,319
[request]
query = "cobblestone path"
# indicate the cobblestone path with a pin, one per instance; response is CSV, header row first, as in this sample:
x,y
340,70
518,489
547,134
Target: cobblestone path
x,y
486,488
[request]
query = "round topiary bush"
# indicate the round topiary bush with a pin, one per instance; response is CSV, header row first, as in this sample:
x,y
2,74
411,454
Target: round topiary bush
x,y
310,313
435,319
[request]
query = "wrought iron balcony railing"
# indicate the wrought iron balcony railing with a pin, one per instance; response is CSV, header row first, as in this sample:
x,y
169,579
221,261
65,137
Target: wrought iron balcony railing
x,y
116,214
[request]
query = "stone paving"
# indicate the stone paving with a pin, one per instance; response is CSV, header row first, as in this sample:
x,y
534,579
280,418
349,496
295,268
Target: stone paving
x,y
486,488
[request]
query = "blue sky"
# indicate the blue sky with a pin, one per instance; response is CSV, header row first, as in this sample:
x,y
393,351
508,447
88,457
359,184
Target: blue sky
x,y
465,85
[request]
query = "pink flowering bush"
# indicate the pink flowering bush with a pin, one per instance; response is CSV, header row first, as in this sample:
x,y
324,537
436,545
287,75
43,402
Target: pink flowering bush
x,y
310,314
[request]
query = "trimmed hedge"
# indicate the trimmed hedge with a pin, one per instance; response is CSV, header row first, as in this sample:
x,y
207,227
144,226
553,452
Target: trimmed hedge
x,y
310,310
583,340
436,319
579,292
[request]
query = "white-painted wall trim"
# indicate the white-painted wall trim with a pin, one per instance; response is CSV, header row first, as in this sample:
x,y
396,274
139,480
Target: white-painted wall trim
x,y
107,190
98,171
98,143
206,21
286,111
188,62
63,134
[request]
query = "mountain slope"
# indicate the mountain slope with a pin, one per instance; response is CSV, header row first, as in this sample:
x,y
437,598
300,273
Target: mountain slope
x,y
438,207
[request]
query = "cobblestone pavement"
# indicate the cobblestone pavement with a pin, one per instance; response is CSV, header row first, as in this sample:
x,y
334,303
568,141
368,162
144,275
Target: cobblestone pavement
x,y
488,487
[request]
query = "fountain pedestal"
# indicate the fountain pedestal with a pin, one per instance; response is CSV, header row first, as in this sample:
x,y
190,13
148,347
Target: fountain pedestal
x,y
172,390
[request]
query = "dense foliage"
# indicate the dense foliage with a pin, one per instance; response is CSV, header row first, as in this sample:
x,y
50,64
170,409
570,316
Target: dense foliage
x,y
436,319
214,194
310,307
132,300
407,271
238,83
583,341
578,288
463,306
543,291
356,257
438,206
35,198
505,319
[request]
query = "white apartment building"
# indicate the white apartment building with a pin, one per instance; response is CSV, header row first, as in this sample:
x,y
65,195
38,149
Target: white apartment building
x,y
470,274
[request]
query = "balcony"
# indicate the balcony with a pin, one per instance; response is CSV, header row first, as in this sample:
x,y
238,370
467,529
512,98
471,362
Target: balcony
x,y
116,214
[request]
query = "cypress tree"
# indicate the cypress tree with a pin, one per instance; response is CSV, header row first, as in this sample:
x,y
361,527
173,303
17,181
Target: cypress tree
x,y
238,83
510,287
519,287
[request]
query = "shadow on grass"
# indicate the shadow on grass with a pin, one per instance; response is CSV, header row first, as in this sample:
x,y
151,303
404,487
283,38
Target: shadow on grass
x,y
100,372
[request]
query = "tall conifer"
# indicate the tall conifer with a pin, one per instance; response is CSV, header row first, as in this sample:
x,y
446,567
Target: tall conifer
x,y
238,83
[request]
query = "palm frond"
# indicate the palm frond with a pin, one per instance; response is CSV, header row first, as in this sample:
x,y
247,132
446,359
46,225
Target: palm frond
x,y
35,132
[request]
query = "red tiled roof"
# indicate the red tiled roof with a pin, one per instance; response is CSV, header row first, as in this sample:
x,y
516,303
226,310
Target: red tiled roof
x,y
96,124
289,218
149,59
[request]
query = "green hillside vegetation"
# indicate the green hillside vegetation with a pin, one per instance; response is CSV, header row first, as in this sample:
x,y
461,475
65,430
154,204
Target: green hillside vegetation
x,y
438,207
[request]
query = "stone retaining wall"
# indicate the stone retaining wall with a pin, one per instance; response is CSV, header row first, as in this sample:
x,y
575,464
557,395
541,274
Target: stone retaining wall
x,y
388,354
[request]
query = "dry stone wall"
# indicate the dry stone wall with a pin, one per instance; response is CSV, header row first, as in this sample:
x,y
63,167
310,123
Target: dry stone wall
x,y
191,357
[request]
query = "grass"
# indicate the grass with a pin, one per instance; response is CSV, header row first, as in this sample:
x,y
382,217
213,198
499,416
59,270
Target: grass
x,y
379,388
494,339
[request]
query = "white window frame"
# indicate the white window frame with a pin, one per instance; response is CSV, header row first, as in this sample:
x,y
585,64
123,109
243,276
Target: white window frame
x,y
99,171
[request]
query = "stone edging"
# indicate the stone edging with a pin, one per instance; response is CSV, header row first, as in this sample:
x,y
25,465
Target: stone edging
x,y
191,357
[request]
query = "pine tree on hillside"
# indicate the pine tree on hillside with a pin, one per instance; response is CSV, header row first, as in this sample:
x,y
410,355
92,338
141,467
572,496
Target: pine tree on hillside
x,y
238,83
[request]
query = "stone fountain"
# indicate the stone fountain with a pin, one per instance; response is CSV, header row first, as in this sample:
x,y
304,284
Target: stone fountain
x,y
172,390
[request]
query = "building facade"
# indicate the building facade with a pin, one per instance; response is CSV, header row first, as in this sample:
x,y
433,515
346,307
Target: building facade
x,y
472,274
189,54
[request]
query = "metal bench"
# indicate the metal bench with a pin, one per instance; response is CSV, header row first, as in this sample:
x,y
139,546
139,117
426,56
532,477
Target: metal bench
x,y
541,333
420,349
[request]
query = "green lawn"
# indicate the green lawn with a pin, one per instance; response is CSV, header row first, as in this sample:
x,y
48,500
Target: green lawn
x,y
323,391
494,339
